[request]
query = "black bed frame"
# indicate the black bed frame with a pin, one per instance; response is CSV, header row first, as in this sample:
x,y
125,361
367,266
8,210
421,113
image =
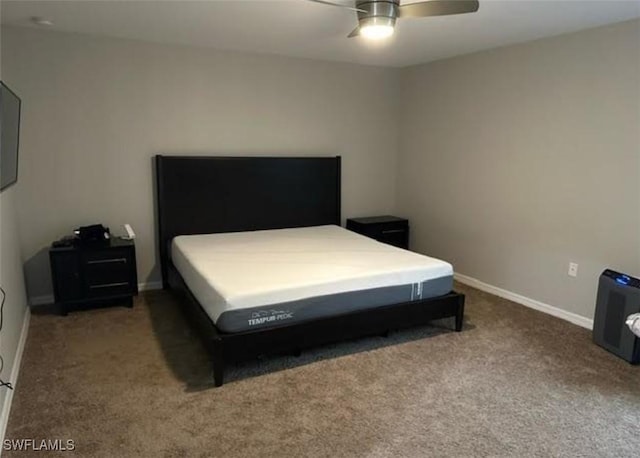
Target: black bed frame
x,y
202,195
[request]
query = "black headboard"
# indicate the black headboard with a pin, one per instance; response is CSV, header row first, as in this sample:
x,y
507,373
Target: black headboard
x,y
203,195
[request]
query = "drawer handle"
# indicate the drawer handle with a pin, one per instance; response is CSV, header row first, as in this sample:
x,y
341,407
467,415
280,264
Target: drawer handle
x,y
106,261
109,285
393,231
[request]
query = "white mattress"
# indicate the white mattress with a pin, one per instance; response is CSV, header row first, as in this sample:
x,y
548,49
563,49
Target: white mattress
x,y
249,269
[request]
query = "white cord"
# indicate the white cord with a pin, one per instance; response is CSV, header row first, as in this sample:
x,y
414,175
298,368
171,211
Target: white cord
x,y
633,321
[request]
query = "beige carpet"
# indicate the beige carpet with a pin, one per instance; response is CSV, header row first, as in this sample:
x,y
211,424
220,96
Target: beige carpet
x,y
515,382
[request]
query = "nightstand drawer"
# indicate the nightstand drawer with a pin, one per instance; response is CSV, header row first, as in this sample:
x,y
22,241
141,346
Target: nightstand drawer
x,y
107,273
104,289
386,229
396,236
108,266
107,257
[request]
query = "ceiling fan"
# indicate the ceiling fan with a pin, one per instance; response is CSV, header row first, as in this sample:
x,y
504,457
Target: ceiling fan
x,y
377,18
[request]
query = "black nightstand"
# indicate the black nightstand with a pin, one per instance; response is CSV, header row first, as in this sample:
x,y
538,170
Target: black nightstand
x,y
86,275
386,229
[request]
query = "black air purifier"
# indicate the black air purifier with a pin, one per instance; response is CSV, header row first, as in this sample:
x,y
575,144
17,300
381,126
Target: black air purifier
x,y
618,297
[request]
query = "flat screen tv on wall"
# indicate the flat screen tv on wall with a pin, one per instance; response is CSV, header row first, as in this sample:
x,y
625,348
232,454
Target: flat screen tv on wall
x,y
9,136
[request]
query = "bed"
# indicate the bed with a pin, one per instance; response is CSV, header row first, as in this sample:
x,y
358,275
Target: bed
x,y
253,248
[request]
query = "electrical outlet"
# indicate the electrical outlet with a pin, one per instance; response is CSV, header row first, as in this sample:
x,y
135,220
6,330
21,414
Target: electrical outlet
x,y
573,269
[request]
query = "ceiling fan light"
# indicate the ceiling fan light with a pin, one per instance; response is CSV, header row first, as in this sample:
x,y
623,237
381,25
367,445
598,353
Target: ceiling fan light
x,y
376,31
377,27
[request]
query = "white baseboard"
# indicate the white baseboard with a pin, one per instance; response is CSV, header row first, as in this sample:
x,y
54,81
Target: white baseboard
x,y
13,378
48,298
526,301
149,286
41,300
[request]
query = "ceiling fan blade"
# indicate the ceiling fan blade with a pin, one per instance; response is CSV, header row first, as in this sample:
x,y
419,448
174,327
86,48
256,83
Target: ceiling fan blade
x,y
438,8
354,33
352,8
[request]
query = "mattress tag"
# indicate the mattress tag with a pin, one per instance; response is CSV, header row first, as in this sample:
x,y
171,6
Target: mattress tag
x,y
416,291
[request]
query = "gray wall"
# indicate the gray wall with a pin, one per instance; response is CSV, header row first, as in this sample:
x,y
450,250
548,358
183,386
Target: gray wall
x,y
12,282
96,110
515,161
511,162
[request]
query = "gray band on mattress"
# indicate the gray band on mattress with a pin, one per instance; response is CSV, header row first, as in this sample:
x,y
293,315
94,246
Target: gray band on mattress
x,y
330,305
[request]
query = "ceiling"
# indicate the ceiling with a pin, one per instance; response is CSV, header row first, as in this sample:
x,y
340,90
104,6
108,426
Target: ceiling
x,y
301,28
